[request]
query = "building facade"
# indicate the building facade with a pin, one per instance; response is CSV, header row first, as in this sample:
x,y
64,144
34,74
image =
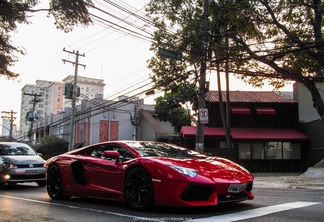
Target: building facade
x,y
6,127
41,101
310,121
89,88
99,120
264,131
32,106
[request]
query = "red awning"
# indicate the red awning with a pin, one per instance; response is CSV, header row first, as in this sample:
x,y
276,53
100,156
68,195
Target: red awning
x,y
265,110
268,134
249,133
240,110
191,131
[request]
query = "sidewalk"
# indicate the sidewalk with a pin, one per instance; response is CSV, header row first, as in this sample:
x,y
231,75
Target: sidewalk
x,y
311,179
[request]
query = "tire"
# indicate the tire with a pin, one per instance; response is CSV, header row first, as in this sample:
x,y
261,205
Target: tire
x,y
139,192
54,184
41,183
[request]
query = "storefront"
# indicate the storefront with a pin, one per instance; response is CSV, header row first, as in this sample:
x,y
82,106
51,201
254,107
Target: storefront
x,y
259,150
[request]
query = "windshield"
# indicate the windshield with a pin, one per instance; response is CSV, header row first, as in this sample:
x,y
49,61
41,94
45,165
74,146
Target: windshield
x,y
151,149
16,149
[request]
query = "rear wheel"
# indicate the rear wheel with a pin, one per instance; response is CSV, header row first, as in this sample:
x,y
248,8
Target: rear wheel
x,y
139,191
55,184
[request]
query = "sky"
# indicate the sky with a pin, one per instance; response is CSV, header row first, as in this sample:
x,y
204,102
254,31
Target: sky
x,y
118,58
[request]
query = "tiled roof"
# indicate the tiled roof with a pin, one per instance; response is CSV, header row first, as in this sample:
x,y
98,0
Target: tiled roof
x,y
250,97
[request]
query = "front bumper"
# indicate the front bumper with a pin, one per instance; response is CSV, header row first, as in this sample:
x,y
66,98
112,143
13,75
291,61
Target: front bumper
x,y
199,194
20,175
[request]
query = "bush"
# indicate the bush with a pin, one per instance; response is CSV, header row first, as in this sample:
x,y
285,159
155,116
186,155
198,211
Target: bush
x,y
50,146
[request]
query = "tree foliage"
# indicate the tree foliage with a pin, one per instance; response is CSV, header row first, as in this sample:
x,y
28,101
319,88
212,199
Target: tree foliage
x,y
170,107
50,146
259,40
178,79
67,14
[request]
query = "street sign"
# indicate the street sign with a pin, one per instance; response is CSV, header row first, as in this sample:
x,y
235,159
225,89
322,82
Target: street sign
x,y
203,116
170,54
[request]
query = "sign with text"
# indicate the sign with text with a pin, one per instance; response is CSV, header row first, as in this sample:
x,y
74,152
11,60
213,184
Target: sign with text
x,y
170,54
203,116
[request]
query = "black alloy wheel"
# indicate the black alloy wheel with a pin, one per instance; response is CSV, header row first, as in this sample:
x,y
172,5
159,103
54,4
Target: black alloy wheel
x,y
139,191
54,184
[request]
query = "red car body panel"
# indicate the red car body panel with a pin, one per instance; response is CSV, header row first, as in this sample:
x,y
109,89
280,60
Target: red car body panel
x,y
104,178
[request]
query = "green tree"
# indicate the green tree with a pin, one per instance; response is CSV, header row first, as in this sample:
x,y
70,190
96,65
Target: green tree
x,y
177,79
171,107
260,40
67,14
51,145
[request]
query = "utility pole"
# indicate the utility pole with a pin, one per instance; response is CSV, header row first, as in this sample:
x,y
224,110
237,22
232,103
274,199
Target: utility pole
x,y
9,115
200,137
74,91
34,101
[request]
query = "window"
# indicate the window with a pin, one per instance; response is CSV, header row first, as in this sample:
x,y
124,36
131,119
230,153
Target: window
x,y
97,151
257,151
291,150
273,150
245,151
269,150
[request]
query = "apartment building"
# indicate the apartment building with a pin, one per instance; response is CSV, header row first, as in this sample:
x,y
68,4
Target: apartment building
x,y
45,98
32,105
5,129
89,88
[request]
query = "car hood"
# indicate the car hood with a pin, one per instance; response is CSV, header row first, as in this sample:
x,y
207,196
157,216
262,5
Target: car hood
x,y
21,159
215,168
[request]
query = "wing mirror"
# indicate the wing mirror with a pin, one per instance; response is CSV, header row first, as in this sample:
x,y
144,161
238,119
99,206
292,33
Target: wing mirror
x,y
111,155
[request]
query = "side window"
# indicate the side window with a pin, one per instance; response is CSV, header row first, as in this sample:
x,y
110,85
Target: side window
x,y
96,151
124,153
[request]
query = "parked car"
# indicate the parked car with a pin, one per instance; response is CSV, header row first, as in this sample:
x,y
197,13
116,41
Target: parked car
x,y
144,174
19,163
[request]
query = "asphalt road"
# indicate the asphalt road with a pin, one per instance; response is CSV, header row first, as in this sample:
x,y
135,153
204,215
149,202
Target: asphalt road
x,y
27,202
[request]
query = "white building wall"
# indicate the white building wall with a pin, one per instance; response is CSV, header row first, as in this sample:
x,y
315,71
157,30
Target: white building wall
x,y
307,113
146,132
27,102
125,128
90,88
52,100
5,128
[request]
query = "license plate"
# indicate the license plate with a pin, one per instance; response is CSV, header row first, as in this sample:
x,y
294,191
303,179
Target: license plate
x,y
31,172
236,187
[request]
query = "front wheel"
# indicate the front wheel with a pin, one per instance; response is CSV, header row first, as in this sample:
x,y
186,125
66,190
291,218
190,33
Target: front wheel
x,y
55,184
139,192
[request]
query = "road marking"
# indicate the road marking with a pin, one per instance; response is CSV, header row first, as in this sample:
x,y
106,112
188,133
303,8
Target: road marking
x,y
222,218
256,212
74,207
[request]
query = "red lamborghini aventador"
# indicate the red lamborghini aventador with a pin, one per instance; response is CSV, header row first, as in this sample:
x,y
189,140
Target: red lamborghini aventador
x,y
145,174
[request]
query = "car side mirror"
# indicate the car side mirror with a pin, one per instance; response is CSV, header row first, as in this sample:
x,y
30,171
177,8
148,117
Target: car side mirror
x,y
111,155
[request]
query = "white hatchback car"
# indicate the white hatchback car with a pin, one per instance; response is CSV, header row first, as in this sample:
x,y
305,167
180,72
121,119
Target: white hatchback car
x,y
20,163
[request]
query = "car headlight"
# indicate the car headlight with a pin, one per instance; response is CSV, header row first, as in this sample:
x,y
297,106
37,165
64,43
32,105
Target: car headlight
x,y
185,171
9,165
